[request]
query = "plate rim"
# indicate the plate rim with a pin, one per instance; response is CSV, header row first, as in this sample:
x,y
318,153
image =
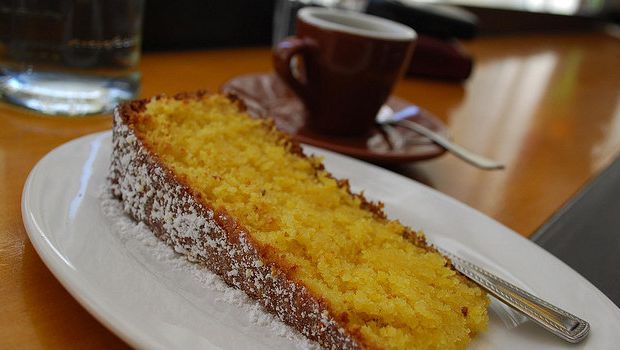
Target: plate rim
x,y
57,266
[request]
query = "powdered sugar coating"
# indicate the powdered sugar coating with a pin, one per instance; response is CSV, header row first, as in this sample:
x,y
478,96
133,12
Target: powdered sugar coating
x,y
129,229
152,194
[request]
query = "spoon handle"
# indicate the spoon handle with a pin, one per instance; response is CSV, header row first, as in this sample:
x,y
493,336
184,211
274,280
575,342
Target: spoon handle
x,y
555,320
459,151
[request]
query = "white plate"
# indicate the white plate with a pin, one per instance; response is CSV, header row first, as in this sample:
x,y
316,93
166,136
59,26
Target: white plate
x,y
147,304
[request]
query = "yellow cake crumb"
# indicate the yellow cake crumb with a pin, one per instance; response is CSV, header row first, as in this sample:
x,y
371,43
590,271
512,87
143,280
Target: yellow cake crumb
x,y
392,292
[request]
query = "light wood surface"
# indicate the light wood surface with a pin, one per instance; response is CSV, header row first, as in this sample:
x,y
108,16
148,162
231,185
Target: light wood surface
x,y
547,106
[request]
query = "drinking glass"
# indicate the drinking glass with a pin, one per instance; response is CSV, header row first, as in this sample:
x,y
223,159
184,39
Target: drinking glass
x,y
70,57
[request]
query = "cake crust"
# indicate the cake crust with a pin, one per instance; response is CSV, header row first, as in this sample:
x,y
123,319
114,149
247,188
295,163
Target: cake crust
x,y
155,195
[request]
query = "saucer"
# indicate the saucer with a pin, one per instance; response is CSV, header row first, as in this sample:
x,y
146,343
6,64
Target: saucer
x,y
265,94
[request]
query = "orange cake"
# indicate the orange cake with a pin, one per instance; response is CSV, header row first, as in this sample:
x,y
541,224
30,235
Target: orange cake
x,y
240,198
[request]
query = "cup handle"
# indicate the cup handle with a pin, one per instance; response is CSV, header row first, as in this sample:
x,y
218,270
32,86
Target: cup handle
x,y
282,56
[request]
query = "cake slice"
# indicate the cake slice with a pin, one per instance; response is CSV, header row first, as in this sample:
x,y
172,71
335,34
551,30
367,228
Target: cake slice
x,y
239,197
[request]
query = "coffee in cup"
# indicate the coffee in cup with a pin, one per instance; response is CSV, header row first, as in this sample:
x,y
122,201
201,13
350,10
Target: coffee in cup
x,y
343,65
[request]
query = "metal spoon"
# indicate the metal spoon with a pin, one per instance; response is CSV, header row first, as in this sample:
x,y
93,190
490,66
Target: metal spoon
x,y
387,116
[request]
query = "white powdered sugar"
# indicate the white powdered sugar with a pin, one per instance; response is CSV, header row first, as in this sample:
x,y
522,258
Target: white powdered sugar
x,y
137,233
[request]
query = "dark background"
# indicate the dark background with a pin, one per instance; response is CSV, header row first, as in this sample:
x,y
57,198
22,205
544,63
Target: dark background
x,y
189,24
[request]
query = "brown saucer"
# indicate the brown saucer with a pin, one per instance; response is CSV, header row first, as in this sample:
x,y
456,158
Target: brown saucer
x,y
266,95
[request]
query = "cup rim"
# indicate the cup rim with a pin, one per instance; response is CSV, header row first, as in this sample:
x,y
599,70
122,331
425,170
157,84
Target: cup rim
x,y
386,29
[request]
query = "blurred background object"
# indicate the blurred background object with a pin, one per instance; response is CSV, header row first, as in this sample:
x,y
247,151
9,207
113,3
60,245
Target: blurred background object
x,y
435,20
438,53
521,16
69,57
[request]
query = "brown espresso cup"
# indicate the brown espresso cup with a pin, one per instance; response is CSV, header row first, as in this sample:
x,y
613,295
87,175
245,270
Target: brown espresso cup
x,y
343,66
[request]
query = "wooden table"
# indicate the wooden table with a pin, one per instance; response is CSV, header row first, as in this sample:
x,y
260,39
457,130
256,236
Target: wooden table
x,y
548,106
